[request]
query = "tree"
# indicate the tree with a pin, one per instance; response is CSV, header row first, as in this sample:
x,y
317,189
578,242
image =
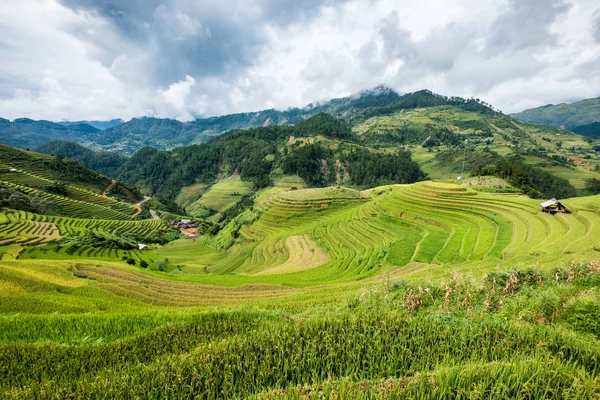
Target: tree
x,y
593,185
58,188
162,265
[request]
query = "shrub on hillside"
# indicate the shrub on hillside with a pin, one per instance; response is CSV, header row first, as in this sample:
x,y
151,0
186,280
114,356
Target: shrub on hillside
x,y
162,265
17,200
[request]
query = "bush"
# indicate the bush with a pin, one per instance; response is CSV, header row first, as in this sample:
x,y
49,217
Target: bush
x,y
58,188
130,261
162,265
143,264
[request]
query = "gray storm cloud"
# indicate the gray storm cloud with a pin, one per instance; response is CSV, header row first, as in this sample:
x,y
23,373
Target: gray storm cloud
x,y
103,59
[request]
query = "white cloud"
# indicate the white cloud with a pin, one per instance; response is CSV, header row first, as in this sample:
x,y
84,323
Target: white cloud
x,y
176,97
76,59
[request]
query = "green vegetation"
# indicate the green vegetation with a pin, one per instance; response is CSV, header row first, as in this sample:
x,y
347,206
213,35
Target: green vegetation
x,y
389,339
106,163
592,129
261,154
224,194
133,135
50,169
571,116
534,182
398,291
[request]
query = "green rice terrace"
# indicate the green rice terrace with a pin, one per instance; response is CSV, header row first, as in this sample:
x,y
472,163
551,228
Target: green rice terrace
x,y
428,290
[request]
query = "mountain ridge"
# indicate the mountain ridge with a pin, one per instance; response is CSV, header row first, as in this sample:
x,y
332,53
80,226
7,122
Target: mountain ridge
x,y
164,133
570,116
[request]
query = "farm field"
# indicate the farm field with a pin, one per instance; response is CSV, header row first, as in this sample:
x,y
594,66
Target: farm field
x,y
401,291
224,194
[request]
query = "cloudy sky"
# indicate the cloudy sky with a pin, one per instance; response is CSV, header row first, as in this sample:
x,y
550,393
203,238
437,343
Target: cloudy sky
x,y
104,59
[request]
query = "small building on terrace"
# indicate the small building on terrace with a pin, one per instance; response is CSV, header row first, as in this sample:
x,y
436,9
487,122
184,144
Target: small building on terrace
x,y
554,206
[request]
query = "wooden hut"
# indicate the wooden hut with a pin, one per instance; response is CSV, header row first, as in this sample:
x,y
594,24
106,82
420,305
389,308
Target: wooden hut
x,y
554,206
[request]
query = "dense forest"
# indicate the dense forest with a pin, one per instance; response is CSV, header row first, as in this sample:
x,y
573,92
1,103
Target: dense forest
x,y
105,162
592,129
534,182
255,153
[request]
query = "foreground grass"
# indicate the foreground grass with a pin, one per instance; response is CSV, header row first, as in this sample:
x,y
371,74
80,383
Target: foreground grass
x,y
519,334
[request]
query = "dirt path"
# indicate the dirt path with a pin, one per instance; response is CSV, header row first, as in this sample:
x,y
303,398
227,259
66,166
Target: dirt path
x,y
112,183
189,234
138,206
154,214
496,128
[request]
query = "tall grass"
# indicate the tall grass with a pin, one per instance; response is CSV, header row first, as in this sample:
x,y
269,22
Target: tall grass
x,y
235,358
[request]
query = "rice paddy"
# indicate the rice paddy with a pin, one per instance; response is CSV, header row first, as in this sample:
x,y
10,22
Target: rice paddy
x,y
224,194
430,290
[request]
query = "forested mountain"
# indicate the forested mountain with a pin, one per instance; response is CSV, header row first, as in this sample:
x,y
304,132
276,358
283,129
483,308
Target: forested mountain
x,y
570,116
105,162
362,141
96,124
165,134
324,151
260,154
592,129
27,133
130,136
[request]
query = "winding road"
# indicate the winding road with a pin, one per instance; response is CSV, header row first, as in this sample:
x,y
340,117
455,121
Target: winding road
x,y
112,183
138,207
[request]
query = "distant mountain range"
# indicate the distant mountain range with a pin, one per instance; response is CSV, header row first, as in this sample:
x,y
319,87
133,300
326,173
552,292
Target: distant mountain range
x,y
27,133
128,137
96,124
582,117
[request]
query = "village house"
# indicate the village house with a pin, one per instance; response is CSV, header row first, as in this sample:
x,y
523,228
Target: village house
x,y
185,224
554,206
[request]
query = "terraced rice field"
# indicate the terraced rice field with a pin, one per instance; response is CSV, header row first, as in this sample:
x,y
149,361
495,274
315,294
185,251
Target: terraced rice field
x,y
335,235
327,293
25,228
79,202
224,194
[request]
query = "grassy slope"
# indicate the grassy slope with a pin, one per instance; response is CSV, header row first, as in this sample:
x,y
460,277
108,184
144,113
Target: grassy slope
x,y
225,194
527,136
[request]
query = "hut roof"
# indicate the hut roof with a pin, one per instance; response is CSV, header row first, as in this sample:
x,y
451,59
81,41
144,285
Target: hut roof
x,y
549,203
